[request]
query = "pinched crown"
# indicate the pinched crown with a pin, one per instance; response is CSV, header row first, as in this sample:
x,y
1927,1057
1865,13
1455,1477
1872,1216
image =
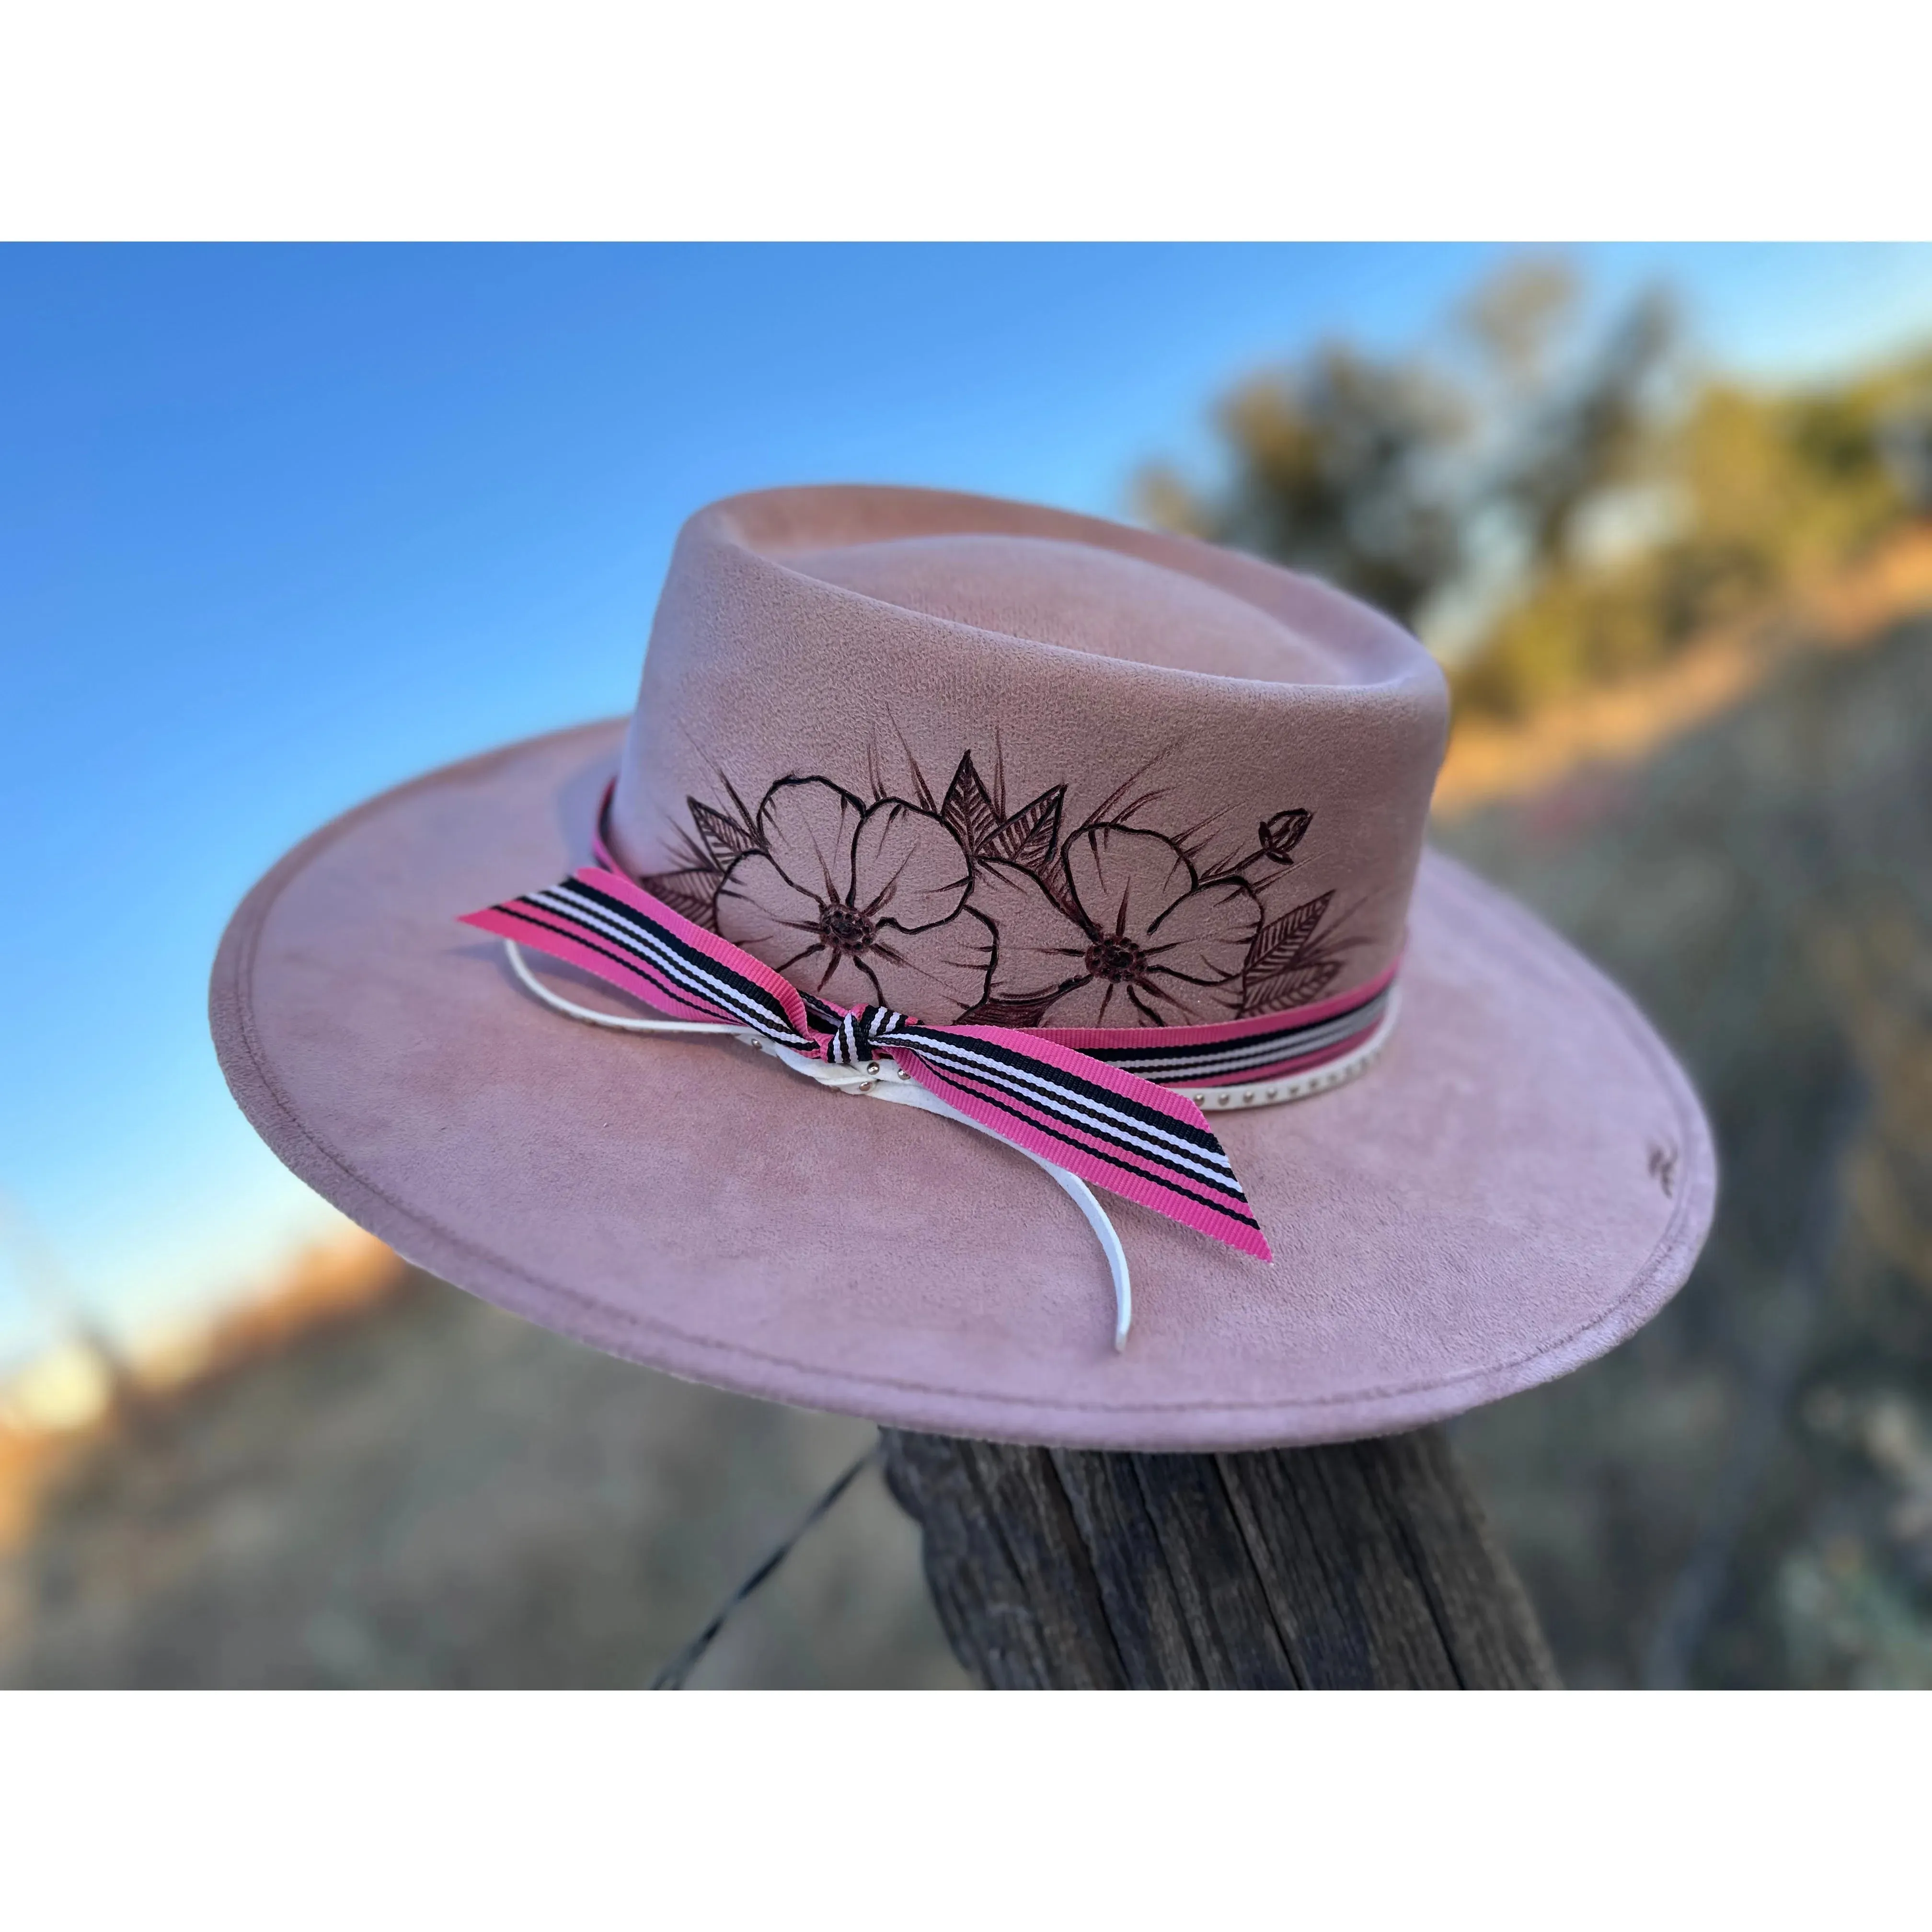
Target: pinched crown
x,y
975,761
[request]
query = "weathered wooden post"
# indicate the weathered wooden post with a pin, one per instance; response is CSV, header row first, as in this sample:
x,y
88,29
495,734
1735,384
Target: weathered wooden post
x,y
1364,1565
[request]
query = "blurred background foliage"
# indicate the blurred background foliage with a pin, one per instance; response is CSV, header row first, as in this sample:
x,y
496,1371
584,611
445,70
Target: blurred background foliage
x,y
1555,505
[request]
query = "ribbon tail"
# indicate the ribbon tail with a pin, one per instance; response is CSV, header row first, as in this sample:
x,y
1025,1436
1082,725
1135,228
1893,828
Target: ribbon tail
x,y
609,925
1114,1130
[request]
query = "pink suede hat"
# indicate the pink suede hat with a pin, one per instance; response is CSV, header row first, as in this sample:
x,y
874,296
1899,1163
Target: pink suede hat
x,y
1103,850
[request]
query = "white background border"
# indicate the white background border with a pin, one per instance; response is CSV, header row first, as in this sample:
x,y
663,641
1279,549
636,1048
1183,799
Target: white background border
x,y
291,1810
1030,119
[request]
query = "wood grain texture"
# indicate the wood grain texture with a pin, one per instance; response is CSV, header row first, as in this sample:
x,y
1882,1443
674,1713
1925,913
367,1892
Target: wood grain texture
x,y
1364,1565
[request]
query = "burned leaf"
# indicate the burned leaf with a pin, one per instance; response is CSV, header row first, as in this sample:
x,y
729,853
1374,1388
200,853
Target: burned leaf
x,y
688,892
1279,944
968,809
1027,839
724,839
1295,988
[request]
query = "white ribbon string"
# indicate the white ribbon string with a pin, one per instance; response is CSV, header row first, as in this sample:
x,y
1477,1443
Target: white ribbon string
x,y
617,1022
894,1085
884,1081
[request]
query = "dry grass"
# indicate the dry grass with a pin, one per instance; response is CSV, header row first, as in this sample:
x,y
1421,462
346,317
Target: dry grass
x,y
1619,725
1738,1496
373,1480
64,1406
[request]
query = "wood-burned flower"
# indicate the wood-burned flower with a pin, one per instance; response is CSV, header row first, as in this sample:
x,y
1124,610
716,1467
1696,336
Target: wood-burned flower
x,y
860,904
1133,940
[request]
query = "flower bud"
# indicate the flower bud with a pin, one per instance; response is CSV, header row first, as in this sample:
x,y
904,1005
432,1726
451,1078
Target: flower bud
x,y
1282,833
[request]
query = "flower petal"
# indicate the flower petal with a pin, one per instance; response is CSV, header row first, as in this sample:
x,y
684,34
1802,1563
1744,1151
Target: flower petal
x,y
844,978
1125,880
908,867
1040,948
1204,936
807,825
936,975
759,909
1094,1002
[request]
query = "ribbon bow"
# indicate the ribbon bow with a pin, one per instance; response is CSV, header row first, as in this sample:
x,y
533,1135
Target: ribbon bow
x,y
1068,1109
1084,1104
863,1031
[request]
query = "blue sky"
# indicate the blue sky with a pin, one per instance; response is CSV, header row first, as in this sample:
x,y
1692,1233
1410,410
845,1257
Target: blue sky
x,y
279,527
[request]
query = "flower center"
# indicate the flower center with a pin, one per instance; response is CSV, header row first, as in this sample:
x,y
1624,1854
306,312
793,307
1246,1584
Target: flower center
x,y
1113,959
843,929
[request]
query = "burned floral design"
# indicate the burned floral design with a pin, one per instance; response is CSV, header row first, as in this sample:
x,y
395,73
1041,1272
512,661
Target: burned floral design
x,y
1113,939
858,904
952,907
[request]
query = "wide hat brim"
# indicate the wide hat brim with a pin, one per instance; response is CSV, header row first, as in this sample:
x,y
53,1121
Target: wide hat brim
x,y
1519,1183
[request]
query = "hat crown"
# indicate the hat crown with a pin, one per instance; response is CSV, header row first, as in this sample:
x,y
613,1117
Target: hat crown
x,y
968,759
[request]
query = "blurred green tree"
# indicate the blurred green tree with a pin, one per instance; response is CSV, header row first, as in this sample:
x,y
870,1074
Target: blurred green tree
x,y
1389,476
1580,503
1339,470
